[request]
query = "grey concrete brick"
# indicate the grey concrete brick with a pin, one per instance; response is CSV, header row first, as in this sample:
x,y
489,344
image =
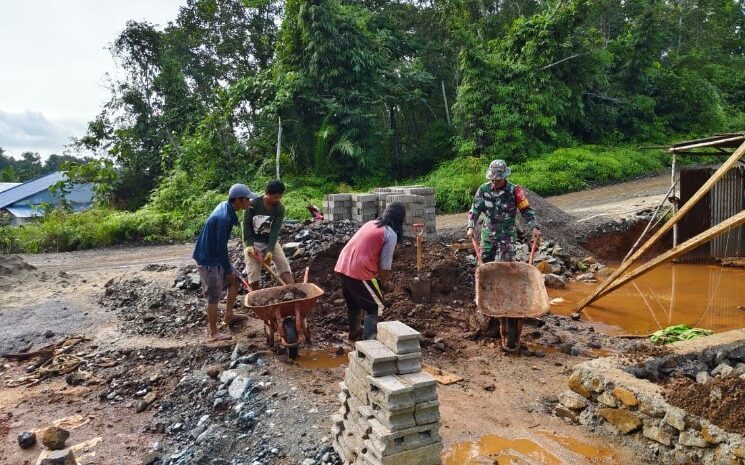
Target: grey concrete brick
x,y
385,442
427,455
409,363
427,412
390,393
398,337
423,385
358,388
376,358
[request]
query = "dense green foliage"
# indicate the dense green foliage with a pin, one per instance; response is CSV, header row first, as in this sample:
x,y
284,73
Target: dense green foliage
x,y
30,165
380,91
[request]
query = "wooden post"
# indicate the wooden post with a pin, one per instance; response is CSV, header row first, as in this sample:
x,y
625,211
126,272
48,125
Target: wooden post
x,y
649,225
672,186
723,227
279,141
734,158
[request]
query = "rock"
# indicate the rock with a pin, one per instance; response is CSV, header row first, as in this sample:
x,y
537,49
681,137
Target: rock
x,y
213,371
543,267
692,439
715,394
26,440
625,421
589,261
54,437
589,417
607,399
676,418
338,302
703,377
290,248
576,385
658,434
48,333
572,400
59,457
238,350
238,387
563,412
575,316
587,277
739,369
308,462
711,434
723,370
554,281
626,397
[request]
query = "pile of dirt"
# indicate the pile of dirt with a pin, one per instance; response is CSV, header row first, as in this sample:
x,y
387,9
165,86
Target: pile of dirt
x,y
286,295
149,308
14,270
721,401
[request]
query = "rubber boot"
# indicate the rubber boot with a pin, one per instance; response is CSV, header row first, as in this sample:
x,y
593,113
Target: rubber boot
x,y
370,330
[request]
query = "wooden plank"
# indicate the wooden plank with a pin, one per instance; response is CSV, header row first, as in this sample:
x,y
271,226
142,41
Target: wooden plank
x,y
440,375
723,227
731,161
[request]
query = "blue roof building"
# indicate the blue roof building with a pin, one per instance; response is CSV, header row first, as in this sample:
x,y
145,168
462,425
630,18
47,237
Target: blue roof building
x,y
25,201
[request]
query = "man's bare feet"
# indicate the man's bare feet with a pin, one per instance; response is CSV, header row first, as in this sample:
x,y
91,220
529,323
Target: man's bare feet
x,y
217,337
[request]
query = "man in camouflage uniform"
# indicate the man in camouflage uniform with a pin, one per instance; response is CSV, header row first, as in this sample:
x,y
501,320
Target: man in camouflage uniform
x,y
499,200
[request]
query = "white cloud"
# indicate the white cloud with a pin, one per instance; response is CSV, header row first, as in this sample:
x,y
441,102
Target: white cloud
x,y
34,132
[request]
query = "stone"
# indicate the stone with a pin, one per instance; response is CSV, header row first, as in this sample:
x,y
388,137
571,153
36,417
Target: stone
x,y
676,418
576,385
589,417
26,440
607,399
375,358
739,369
290,248
398,337
711,433
626,397
54,437
59,457
722,370
692,439
213,371
239,387
238,350
658,434
738,451
554,281
587,277
572,400
563,412
651,409
703,377
409,363
625,421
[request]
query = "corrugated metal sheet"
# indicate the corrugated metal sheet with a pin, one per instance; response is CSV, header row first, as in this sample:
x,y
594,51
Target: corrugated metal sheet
x,y
726,198
4,186
27,189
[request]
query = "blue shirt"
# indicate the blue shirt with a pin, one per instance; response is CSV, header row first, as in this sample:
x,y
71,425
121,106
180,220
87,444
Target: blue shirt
x,y
212,245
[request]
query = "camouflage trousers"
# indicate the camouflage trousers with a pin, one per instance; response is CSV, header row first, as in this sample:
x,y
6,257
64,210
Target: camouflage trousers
x,y
497,246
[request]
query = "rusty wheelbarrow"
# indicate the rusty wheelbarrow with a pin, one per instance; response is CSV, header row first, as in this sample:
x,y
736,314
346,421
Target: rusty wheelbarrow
x,y
511,291
285,317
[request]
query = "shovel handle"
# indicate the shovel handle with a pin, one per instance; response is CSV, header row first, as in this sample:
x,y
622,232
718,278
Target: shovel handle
x,y
533,248
419,231
269,269
477,250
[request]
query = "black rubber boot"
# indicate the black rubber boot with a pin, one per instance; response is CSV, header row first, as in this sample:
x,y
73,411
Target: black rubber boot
x,y
370,330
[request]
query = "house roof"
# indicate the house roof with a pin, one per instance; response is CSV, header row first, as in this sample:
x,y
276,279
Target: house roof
x,y
718,142
4,186
27,189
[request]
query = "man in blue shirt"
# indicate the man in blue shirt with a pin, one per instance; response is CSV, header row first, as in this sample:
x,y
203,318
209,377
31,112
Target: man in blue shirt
x,y
211,254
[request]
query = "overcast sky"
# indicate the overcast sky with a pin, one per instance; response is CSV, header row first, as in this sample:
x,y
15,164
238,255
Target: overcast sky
x,y
53,58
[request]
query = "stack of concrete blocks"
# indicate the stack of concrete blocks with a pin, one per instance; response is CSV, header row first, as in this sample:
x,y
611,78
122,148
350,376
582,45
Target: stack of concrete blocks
x,y
364,207
390,414
337,207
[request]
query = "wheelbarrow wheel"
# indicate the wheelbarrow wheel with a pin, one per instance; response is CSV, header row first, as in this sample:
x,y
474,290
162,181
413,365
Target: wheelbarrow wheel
x,y
510,334
291,337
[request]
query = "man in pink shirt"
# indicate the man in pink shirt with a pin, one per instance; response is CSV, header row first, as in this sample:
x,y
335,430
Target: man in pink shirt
x,y
367,256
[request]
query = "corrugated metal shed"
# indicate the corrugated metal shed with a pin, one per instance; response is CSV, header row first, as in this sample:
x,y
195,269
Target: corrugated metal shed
x,y
4,186
27,189
26,200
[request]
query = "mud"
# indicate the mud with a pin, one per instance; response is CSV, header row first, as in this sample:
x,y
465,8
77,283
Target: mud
x,y
721,401
287,296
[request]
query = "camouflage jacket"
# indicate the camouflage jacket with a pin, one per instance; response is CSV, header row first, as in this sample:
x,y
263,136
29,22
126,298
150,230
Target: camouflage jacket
x,y
500,206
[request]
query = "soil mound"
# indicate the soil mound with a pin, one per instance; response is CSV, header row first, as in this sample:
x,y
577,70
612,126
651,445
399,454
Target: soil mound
x,y
14,271
721,401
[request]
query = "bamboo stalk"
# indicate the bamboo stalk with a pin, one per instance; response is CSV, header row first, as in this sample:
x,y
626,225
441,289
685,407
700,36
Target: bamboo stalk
x,y
649,225
666,227
687,246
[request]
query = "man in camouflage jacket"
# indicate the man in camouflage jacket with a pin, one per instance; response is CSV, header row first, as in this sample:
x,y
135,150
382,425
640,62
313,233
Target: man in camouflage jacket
x,y
499,200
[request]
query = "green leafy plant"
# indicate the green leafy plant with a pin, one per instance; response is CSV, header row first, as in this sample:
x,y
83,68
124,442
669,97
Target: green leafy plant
x,y
678,333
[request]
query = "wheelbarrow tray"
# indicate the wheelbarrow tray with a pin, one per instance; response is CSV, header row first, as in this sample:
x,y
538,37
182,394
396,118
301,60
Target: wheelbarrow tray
x,y
287,308
511,290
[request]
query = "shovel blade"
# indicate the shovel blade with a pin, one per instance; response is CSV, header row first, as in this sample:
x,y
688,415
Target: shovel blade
x,y
420,290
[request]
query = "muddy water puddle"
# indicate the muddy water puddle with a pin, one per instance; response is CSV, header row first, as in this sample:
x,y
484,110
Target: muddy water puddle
x,y
706,296
550,449
315,359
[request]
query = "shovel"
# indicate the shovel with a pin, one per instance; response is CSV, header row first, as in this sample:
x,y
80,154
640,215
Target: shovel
x,y
420,288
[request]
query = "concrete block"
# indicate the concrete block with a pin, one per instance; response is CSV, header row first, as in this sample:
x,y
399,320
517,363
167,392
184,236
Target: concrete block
x,y
424,386
358,388
427,455
365,412
398,337
409,363
427,412
376,358
390,393
396,420
385,442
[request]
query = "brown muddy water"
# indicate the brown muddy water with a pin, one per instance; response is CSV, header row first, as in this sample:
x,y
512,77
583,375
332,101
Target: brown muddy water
x,y
552,450
705,296
315,359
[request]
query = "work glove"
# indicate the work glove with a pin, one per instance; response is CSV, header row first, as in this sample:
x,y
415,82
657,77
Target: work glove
x,y
469,233
251,252
268,258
